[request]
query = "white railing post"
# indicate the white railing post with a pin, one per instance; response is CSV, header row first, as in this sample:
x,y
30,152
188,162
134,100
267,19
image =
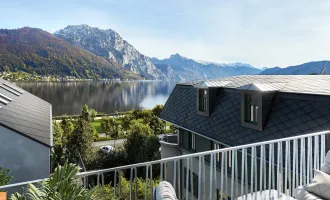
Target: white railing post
x,y
199,177
146,193
130,185
222,173
242,171
211,176
187,179
232,174
191,179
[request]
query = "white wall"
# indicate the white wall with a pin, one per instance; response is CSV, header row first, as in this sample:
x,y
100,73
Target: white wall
x,y
27,160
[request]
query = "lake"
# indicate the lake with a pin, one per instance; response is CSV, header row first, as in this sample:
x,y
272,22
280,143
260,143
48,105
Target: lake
x,y
67,98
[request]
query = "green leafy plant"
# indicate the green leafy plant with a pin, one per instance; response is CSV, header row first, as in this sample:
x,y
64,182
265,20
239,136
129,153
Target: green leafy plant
x,y
61,185
4,176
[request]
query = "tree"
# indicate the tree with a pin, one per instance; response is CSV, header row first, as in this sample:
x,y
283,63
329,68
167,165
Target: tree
x,y
62,184
156,125
157,110
93,114
141,145
108,125
85,113
4,176
126,121
116,132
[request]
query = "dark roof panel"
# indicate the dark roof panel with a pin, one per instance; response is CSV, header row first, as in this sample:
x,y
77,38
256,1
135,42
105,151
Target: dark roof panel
x,y
25,113
288,117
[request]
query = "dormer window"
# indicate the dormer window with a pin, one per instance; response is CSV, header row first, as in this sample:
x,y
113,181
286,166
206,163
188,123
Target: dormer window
x,y
251,109
203,100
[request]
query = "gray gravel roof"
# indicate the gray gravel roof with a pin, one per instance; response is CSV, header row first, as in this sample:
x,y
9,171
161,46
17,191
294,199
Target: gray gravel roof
x,y
25,113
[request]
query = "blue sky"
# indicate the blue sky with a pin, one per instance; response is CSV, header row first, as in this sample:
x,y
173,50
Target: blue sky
x,y
259,32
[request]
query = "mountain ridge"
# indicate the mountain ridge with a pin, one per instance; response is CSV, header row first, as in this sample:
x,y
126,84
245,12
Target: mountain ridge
x,y
313,67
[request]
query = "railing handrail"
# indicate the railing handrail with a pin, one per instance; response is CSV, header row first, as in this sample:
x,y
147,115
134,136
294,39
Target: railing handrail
x,y
95,172
102,171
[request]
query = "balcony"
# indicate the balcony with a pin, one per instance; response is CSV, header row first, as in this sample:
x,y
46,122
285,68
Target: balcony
x,y
265,170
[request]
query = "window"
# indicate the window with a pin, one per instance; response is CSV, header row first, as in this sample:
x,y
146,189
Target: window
x,y
203,100
251,109
192,141
195,182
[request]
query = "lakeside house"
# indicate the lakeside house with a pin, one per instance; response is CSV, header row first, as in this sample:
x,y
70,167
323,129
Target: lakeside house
x,y
240,110
25,133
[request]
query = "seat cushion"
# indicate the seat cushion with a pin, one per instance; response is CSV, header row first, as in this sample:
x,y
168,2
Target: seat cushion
x,y
326,165
320,184
301,194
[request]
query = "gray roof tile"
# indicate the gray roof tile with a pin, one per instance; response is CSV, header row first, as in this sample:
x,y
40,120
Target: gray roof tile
x,y
26,114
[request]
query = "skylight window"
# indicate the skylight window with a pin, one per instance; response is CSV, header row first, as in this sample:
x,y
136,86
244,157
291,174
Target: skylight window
x,y
5,97
10,90
4,101
14,88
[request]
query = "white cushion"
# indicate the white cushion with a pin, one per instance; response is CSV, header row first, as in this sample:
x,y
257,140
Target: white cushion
x,y
326,165
301,194
165,191
320,184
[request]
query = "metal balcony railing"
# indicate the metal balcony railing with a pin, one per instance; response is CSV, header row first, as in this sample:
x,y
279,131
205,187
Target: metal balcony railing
x,y
270,168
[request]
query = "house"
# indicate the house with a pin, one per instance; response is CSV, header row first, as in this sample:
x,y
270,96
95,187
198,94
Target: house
x,y
232,111
25,133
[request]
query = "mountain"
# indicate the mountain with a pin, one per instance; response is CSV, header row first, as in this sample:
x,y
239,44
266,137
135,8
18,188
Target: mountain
x,y
306,68
36,51
191,69
110,45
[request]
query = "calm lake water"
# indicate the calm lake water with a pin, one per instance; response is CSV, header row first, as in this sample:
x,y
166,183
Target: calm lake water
x,y
68,97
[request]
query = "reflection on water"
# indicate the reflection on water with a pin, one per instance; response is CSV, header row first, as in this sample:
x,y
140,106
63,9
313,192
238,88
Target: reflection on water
x,y
69,97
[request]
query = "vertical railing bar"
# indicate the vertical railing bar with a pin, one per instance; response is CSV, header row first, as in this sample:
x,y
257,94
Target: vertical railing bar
x,y
187,179
255,170
191,179
242,172
98,179
301,162
315,151
222,170
226,174
322,149
278,167
289,169
179,179
174,175
165,171
265,167
215,157
146,191
199,177
296,151
211,176
151,186
273,166
252,169
131,185
308,158
204,181
246,172
286,169
294,164
236,174
161,171
115,182
270,168
261,166
232,173
135,181
311,159
120,173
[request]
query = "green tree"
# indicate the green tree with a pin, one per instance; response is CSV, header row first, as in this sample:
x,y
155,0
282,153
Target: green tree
x,y
157,110
141,145
5,178
126,121
85,113
61,185
93,114
116,132
156,125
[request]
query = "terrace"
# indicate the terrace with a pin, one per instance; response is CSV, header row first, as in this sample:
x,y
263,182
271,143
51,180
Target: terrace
x,y
265,170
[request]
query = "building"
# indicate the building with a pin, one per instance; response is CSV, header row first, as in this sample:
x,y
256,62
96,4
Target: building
x,y
25,133
233,111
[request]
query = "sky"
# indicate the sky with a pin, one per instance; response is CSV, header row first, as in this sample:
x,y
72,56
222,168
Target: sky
x,y
263,33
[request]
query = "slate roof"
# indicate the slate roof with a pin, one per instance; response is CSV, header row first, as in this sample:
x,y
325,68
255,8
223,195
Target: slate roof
x,y
310,84
25,113
290,115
